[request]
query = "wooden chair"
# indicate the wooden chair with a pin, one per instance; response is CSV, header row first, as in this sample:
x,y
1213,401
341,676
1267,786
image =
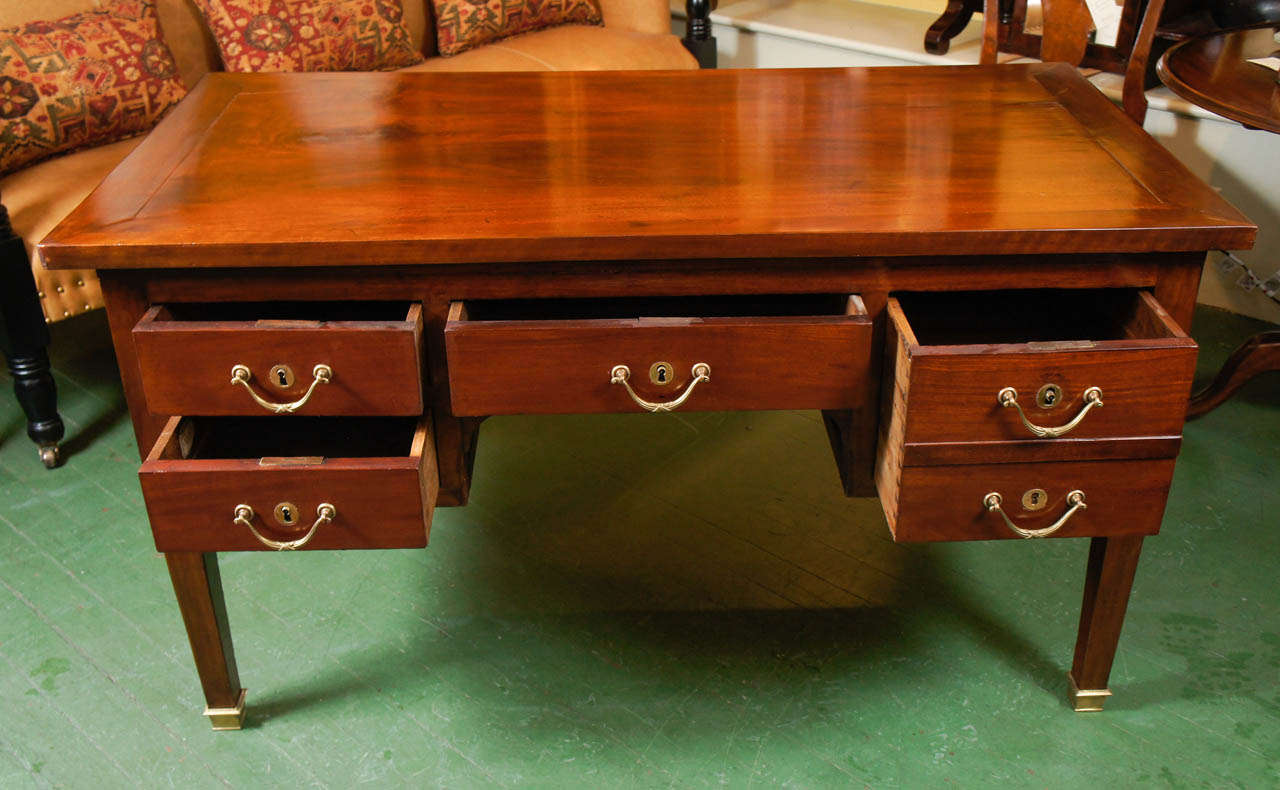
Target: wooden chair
x,y
1068,25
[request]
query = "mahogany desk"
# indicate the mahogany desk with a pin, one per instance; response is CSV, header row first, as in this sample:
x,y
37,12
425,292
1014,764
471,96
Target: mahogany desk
x,y
318,285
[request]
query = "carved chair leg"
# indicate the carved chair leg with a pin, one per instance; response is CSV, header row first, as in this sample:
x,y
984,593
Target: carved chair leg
x,y
28,341
1259,354
697,38
198,587
937,39
1108,580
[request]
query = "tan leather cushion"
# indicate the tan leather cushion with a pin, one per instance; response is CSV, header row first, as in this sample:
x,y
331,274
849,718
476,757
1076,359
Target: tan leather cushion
x,y
640,16
39,197
570,48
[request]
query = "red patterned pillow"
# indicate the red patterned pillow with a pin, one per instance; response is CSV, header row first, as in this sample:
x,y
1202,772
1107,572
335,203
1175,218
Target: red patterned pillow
x,y
83,80
310,35
466,24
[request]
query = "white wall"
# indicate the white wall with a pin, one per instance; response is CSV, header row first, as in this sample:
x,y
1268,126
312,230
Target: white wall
x,y
1244,165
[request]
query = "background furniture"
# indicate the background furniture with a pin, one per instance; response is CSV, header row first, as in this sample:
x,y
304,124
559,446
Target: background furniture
x,y
874,243
1213,71
1178,19
25,344
1067,27
636,35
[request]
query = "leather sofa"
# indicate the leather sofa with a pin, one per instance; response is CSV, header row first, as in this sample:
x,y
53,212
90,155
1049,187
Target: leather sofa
x,y
635,35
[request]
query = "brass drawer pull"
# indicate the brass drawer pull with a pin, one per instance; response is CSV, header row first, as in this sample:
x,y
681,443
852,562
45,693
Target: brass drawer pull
x,y
240,375
324,514
621,373
1009,397
993,500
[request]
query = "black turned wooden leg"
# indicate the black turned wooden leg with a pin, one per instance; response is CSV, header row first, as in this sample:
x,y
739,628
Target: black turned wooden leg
x,y
697,37
1108,580
198,587
28,341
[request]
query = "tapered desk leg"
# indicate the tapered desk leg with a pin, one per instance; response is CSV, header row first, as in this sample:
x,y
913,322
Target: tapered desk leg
x,y
1108,580
198,586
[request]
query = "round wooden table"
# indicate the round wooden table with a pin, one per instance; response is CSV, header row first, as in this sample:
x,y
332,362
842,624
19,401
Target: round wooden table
x,y
1214,72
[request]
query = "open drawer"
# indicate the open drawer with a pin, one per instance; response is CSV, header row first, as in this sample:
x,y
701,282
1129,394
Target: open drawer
x,y
314,358
550,356
1026,365
236,484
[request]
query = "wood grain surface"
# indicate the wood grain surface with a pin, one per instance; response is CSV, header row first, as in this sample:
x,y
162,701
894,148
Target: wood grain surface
x,y
1214,72
388,169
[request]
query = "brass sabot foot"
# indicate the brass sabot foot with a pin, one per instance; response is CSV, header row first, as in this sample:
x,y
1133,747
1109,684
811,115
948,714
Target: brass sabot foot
x,y
1086,700
227,718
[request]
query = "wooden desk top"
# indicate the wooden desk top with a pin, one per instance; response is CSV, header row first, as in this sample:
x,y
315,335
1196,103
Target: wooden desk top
x,y
1214,72
386,169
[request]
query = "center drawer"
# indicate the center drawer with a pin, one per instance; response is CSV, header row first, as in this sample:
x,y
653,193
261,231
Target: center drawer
x,y
556,356
313,358
240,484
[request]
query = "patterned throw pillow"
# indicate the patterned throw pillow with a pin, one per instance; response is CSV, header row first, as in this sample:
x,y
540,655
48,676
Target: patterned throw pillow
x,y
83,80
310,35
466,24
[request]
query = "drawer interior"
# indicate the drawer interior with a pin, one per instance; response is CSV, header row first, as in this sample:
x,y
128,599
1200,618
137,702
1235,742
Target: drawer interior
x,y
300,312
1034,316
295,437
758,305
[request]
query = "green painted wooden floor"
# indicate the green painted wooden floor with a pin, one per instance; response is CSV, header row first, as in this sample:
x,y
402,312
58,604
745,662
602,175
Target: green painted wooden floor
x,y
639,601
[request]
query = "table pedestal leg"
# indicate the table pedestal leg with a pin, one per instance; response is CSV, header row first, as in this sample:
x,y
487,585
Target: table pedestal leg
x,y
1260,354
198,587
1112,562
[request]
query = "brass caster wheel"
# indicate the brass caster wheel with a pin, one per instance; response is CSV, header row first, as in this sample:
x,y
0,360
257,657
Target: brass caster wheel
x,y
50,455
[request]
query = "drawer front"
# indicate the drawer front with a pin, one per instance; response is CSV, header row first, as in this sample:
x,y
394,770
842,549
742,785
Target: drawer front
x,y
953,393
187,366
378,502
949,502
567,366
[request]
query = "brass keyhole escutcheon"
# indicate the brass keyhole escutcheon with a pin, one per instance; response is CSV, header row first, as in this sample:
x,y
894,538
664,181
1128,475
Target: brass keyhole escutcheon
x,y
1035,499
286,514
661,373
1049,396
281,376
